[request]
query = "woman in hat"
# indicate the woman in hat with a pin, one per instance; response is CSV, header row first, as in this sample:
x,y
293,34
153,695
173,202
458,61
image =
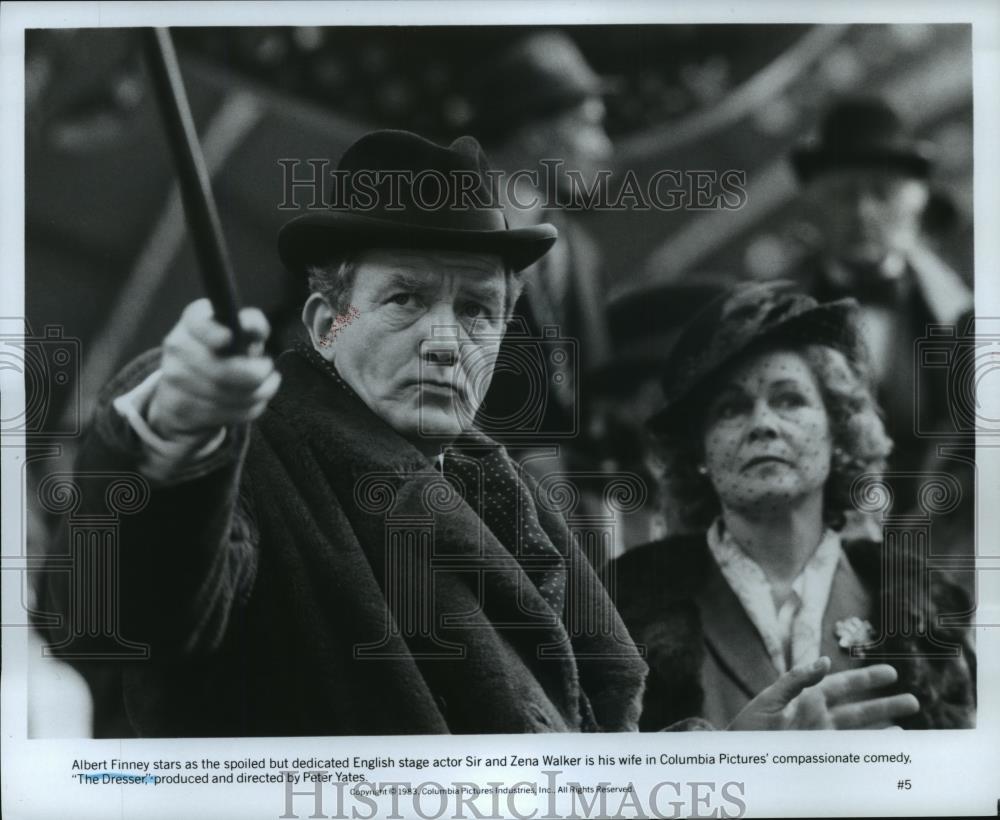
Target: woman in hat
x,y
769,420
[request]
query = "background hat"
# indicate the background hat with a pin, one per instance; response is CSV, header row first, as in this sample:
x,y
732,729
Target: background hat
x,y
644,324
412,209
745,315
538,76
862,131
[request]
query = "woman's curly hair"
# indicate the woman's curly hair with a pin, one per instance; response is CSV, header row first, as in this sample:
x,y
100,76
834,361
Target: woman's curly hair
x,y
860,442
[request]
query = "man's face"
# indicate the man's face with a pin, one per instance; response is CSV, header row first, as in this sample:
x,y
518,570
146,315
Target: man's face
x,y
868,213
423,339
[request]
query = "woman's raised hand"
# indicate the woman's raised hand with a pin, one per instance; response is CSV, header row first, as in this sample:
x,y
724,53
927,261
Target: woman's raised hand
x,y
807,697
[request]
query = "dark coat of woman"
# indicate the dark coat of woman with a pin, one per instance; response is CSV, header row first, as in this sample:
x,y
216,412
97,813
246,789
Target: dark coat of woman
x,y
706,658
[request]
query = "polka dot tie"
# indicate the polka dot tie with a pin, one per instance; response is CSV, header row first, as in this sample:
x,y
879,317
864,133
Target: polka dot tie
x,y
509,512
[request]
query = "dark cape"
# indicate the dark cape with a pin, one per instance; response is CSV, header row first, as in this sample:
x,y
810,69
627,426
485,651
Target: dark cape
x,y
322,578
667,590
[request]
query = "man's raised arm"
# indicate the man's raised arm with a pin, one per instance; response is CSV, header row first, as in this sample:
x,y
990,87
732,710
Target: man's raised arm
x,y
180,419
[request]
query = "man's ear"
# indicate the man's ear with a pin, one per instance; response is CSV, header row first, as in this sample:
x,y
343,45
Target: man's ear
x,y
318,316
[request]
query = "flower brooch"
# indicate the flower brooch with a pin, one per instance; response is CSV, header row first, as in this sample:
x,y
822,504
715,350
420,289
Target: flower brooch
x,y
853,632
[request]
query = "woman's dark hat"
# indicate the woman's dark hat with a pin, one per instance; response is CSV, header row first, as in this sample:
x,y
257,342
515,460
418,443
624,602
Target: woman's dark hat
x,y
395,189
645,322
866,132
747,315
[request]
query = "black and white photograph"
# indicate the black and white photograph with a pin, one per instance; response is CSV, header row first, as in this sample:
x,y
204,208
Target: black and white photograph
x,y
386,384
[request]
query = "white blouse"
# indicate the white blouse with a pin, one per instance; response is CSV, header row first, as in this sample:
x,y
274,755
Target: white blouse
x,y
792,633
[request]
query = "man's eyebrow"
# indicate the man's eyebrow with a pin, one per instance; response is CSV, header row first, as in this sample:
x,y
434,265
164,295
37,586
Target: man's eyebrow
x,y
407,281
487,289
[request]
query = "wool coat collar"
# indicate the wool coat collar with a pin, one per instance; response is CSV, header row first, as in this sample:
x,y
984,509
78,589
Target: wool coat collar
x,y
337,453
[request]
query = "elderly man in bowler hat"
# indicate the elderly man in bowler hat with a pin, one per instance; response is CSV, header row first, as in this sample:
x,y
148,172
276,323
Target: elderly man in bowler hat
x,y
868,177
330,547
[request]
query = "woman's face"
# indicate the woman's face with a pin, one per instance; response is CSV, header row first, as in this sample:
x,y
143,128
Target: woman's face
x,y
767,434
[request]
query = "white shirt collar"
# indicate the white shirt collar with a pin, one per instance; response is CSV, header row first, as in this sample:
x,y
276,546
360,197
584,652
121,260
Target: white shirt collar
x,y
792,633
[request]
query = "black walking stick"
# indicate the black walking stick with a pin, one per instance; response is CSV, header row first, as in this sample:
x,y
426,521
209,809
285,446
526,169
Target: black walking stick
x,y
195,185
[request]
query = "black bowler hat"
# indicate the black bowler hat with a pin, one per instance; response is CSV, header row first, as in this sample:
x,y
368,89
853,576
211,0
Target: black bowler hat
x,y
539,75
435,197
746,315
862,131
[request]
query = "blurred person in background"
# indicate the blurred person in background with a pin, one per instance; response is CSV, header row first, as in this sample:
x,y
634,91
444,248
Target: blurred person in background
x,y
644,324
768,420
868,180
539,112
